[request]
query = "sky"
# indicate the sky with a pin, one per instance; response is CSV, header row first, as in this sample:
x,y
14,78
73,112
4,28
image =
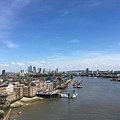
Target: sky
x,y
63,34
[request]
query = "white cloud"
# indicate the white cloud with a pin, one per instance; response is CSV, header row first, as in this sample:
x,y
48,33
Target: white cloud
x,y
54,49
10,44
91,60
4,65
13,63
37,63
74,41
9,11
65,13
94,3
43,62
57,37
20,64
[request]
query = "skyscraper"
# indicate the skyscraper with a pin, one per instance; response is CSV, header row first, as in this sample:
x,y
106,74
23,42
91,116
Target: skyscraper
x,y
87,70
34,69
43,70
56,70
30,68
3,73
39,70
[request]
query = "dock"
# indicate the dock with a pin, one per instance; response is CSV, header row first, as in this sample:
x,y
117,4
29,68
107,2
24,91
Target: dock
x,y
48,94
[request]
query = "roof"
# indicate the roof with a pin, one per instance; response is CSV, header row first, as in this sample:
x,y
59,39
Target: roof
x,y
3,95
48,81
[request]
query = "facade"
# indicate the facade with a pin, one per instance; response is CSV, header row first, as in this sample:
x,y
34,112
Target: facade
x,y
3,73
49,86
2,90
43,70
29,91
56,70
11,96
18,91
34,69
87,70
45,86
39,70
30,68
9,88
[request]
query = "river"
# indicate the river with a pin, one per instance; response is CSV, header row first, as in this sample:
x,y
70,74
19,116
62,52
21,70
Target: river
x,y
99,99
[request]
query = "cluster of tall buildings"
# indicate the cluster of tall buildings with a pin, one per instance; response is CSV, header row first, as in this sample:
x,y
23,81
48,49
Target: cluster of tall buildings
x,y
33,69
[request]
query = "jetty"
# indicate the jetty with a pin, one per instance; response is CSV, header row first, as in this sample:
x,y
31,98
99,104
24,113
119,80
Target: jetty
x,y
48,94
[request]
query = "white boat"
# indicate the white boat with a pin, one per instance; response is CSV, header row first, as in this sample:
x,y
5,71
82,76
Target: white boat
x,y
79,86
63,95
74,95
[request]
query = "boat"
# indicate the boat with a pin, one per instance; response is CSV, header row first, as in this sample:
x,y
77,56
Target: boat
x,y
63,95
73,96
78,84
19,113
68,95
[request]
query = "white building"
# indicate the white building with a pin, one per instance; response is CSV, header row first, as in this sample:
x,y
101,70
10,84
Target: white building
x,y
9,88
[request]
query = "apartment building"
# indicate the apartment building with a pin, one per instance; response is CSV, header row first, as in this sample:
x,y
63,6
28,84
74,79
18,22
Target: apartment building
x,y
2,90
18,91
29,91
11,96
49,86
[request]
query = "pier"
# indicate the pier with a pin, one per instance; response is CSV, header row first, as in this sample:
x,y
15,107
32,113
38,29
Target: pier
x,y
48,94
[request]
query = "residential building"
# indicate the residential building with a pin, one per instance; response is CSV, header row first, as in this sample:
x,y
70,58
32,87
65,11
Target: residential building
x,y
18,91
29,91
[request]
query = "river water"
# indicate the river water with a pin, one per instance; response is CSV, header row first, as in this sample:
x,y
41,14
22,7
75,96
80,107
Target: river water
x,y
99,99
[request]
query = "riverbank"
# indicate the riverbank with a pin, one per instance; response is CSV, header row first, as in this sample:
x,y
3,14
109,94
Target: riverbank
x,y
25,101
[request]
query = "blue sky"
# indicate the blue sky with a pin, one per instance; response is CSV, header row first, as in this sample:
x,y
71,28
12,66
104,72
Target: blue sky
x,y
63,34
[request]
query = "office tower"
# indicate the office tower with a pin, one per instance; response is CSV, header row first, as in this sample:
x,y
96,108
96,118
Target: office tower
x,y
56,70
87,70
30,68
34,69
43,70
3,73
39,70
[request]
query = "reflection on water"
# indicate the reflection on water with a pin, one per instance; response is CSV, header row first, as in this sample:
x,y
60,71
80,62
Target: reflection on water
x,y
99,99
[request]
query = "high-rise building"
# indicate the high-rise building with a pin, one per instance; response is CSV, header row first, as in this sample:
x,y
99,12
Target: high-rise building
x,y
30,68
56,70
87,70
39,70
43,70
3,73
34,69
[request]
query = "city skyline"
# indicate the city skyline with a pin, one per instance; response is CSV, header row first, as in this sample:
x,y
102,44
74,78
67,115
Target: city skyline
x,y
68,35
